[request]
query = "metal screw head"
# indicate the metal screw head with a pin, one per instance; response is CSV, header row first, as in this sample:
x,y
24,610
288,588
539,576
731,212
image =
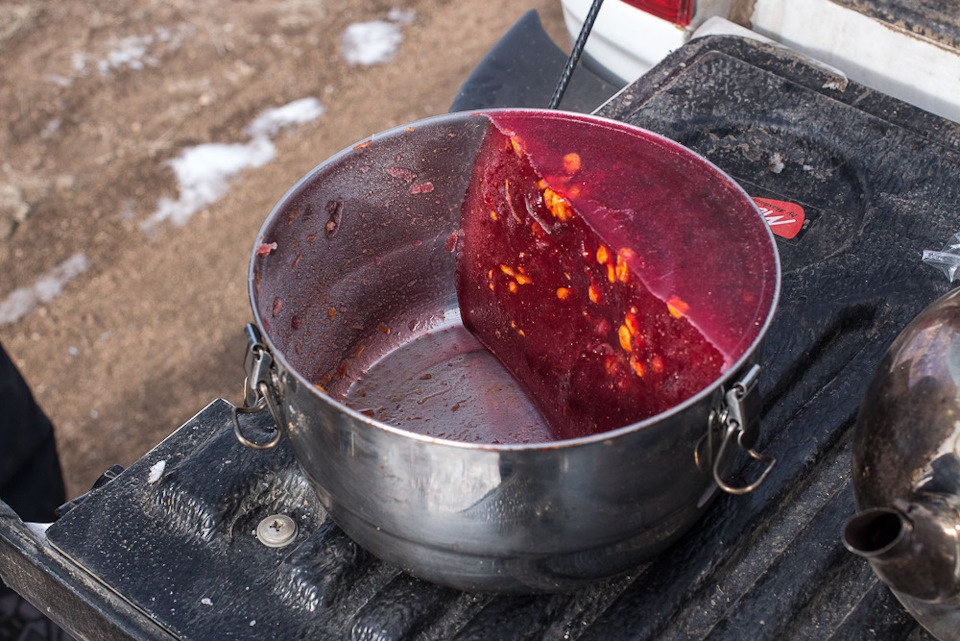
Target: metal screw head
x,y
277,530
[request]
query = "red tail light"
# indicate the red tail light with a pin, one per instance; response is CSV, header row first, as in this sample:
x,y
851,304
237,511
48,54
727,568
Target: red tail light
x,y
676,11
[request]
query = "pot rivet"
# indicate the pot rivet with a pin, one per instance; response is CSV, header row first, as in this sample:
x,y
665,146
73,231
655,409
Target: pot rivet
x,y
276,530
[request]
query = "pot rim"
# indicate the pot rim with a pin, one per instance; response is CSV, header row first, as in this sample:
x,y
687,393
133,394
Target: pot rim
x,y
699,397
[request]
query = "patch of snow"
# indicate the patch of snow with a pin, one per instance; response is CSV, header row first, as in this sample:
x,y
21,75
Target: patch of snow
x,y
377,41
24,300
52,127
129,52
403,16
205,171
57,79
273,121
156,471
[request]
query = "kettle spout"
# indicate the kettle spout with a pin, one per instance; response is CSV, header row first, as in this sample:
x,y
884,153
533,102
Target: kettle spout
x,y
912,547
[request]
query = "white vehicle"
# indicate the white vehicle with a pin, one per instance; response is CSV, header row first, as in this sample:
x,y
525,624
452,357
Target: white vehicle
x,y
899,48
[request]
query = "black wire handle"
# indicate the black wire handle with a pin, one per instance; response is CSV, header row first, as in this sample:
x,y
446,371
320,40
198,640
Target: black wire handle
x,y
575,54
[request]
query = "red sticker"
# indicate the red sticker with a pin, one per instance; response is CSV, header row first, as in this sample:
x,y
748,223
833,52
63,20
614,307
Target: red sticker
x,y
785,219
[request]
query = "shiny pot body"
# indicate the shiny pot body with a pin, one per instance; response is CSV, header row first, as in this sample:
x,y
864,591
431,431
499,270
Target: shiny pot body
x,y
352,284
906,469
907,438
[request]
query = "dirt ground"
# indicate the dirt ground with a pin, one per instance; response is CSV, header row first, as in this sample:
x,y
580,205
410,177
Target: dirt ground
x,y
151,331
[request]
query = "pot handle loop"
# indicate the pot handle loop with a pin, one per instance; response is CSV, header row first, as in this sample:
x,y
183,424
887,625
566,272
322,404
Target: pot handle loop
x,y
740,422
257,389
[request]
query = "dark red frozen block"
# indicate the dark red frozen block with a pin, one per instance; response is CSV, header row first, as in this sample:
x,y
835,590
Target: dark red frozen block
x,y
592,264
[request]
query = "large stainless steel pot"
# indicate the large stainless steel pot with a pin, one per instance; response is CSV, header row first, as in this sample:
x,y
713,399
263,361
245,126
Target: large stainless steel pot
x,y
352,285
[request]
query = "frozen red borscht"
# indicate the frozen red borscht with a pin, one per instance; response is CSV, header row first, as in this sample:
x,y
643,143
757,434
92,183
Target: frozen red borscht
x,y
610,271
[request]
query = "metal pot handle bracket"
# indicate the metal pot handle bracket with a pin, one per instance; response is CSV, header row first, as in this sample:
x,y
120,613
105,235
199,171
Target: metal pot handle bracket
x,y
257,389
738,419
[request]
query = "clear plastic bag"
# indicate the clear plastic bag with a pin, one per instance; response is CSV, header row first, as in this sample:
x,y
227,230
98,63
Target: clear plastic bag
x,y
947,259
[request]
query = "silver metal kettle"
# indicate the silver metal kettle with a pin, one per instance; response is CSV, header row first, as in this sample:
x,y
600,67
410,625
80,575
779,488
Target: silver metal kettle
x,y
906,469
